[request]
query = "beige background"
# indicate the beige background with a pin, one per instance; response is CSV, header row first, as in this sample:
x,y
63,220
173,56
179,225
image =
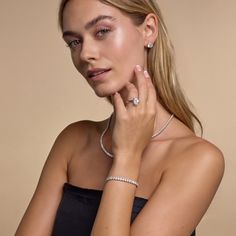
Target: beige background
x,y
41,93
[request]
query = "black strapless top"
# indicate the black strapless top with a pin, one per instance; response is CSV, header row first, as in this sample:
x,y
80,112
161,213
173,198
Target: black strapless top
x,y
78,208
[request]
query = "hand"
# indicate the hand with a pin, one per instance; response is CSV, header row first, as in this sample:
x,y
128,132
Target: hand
x,y
134,125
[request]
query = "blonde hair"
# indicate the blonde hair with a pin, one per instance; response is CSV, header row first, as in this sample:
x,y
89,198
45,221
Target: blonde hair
x,y
160,61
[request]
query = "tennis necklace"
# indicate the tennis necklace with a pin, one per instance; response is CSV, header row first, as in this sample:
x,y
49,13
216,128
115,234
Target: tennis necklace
x,y
153,136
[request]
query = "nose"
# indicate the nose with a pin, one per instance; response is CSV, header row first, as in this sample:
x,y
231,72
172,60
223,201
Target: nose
x,y
89,51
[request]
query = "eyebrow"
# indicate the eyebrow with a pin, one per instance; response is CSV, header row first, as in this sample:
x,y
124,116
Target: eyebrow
x,y
89,25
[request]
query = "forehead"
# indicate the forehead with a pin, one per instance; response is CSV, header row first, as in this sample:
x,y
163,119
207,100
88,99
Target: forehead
x,y
79,12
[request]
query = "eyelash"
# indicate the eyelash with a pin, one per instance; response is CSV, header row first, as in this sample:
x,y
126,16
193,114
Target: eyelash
x,y
72,44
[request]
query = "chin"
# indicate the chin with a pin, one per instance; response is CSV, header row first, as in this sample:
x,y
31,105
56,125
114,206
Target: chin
x,y
105,91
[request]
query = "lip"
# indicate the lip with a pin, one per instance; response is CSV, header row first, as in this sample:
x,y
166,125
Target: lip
x,y
98,77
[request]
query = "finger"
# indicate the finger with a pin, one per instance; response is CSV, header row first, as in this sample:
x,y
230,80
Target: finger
x,y
119,106
132,93
141,84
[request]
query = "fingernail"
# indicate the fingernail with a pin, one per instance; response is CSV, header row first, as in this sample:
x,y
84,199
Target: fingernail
x,y
138,67
146,74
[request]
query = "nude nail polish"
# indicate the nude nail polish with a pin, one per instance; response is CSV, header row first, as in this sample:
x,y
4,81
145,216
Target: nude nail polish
x,y
138,67
146,74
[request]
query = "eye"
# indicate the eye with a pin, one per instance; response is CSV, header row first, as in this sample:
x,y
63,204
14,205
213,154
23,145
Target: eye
x,y
102,32
74,43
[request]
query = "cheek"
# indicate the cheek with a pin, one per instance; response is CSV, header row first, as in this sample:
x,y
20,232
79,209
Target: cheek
x,y
124,44
125,51
75,60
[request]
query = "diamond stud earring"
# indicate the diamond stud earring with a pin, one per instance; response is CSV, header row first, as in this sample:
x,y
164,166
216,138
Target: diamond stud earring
x,y
150,45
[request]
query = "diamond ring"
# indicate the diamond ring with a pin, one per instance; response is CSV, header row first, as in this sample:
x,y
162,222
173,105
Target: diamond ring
x,y
135,101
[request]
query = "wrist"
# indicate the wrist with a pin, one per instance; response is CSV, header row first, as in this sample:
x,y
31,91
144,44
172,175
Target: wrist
x,y
125,159
127,167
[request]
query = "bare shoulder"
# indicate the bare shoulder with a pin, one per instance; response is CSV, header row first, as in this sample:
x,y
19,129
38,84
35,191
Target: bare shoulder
x,y
77,133
68,140
76,129
83,127
197,154
202,150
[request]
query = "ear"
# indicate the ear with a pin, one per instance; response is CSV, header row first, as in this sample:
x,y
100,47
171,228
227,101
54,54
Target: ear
x,y
150,29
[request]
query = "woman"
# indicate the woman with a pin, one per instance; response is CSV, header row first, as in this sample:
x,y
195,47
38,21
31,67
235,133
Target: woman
x,y
143,171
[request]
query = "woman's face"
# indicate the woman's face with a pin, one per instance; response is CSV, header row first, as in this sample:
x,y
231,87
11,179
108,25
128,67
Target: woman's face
x,y
105,45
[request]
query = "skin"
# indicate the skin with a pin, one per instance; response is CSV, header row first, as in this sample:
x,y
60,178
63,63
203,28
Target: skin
x,y
177,171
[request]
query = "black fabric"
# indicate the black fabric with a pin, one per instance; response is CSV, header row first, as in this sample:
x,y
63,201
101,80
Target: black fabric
x,y
78,208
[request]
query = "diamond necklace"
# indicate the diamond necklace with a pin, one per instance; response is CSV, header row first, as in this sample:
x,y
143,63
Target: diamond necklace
x,y
154,135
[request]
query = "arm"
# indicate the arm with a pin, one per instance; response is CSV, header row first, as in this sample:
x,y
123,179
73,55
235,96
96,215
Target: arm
x,y
39,216
177,205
